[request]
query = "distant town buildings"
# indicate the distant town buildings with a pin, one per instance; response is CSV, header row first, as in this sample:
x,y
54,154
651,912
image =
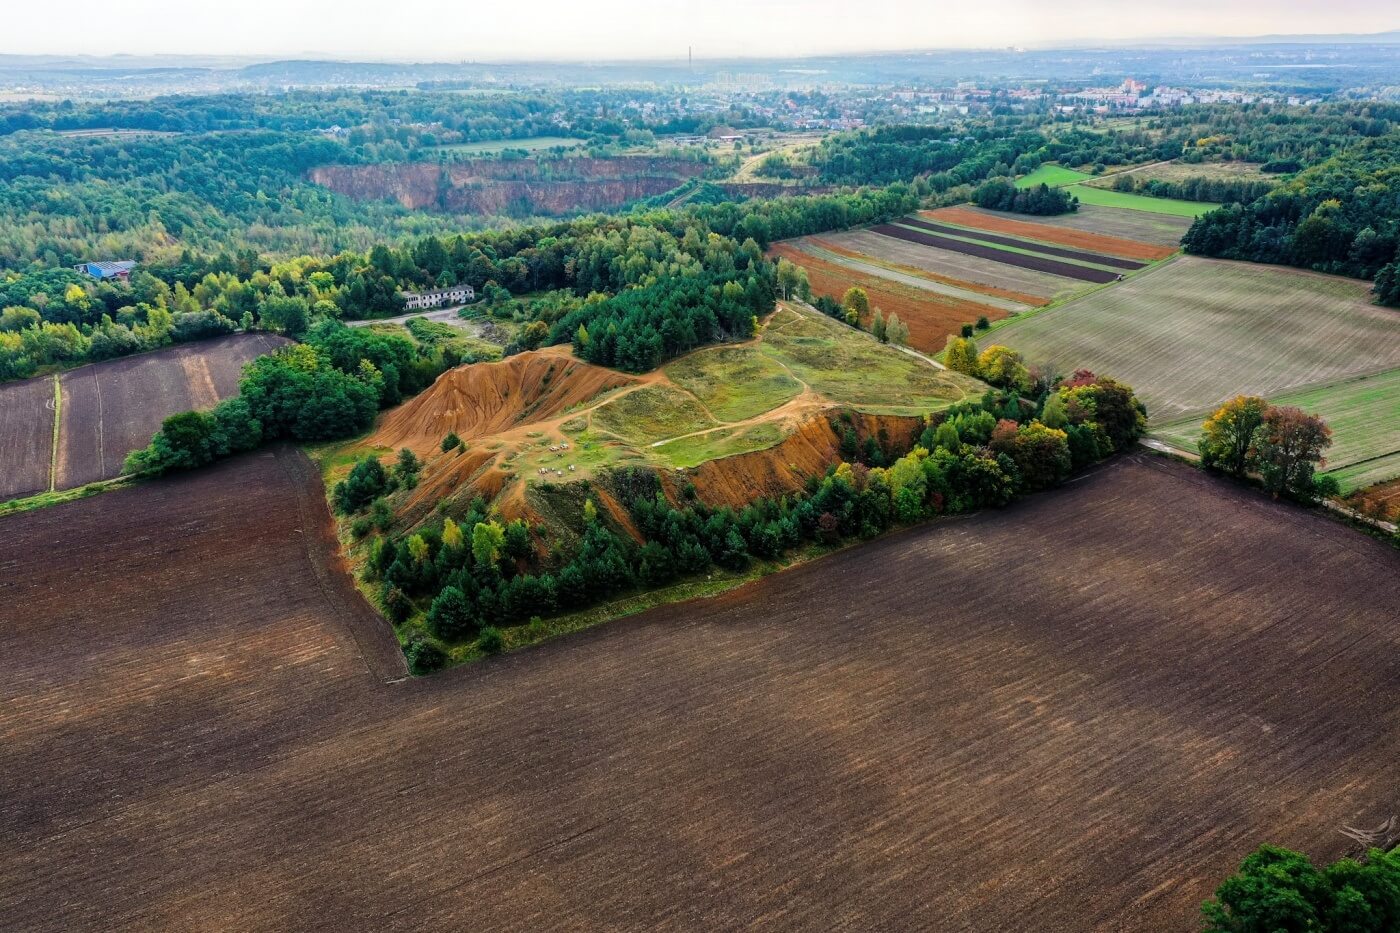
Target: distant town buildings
x,y
118,271
438,297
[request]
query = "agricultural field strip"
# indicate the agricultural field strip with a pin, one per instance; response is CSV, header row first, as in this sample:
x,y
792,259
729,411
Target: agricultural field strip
x,y
931,317
1005,256
186,752
1363,412
1026,248
1156,229
1216,329
923,272
904,278
1367,473
28,422
1060,234
988,273
1022,244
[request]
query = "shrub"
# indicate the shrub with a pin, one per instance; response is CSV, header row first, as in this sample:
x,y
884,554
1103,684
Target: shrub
x,y
490,640
451,441
367,481
424,655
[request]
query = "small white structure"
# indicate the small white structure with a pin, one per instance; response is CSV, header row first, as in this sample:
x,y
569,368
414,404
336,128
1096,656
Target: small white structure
x,y
455,295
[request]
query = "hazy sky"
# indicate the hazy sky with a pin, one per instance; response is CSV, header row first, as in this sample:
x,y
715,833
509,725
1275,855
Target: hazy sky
x,y
453,30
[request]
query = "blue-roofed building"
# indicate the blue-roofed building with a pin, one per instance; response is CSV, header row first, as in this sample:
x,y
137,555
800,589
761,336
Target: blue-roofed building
x,y
118,271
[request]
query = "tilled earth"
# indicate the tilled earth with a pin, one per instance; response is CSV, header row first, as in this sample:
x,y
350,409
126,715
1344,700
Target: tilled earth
x,y
1077,713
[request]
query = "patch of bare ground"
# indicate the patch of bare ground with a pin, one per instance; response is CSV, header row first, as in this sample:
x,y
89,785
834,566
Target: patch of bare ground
x,y
1084,710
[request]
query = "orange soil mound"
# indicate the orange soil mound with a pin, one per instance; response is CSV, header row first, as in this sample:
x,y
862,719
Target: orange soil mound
x,y
738,480
488,398
931,317
1034,301
1109,245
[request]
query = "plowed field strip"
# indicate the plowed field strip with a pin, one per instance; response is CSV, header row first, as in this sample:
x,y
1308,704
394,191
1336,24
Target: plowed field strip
x,y
1022,298
27,425
910,279
191,741
1048,232
1053,267
1061,252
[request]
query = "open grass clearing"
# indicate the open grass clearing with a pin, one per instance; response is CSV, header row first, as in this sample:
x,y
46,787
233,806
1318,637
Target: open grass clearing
x,y
1057,176
1177,171
852,368
734,383
652,413
1193,332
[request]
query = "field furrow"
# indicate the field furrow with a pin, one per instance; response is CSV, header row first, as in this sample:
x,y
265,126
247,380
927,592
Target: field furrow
x,y
1023,244
1006,257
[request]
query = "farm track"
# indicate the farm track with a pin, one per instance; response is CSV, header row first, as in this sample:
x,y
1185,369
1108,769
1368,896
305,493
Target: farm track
x,y
1176,671
1050,266
1017,243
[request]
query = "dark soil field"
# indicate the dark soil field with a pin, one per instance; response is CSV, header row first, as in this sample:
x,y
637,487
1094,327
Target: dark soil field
x,y
1018,243
1075,714
26,436
1006,257
113,408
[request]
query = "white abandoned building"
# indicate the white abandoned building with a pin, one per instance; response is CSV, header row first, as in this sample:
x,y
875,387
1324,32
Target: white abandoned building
x,y
436,298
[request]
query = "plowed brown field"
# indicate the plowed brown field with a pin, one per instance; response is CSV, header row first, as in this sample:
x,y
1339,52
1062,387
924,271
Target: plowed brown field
x,y
113,408
26,436
931,317
1084,711
1113,246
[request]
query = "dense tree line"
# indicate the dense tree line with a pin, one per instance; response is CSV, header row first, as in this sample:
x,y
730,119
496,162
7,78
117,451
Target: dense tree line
x,y
466,575
1000,194
1342,217
1198,188
59,317
1284,138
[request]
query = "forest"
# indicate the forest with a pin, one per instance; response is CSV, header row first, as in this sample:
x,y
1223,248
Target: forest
x,y
1341,216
